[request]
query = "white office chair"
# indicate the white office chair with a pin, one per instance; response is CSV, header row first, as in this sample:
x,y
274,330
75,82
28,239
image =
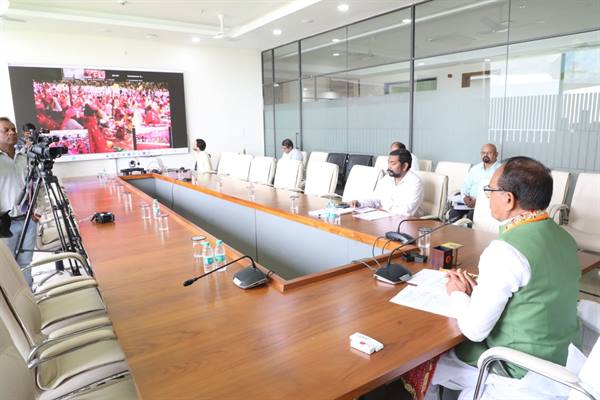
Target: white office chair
x,y
584,212
381,163
435,193
426,165
321,179
202,162
262,170
583,384
288,174
456,173
17,381
559,194
226,163
241,166
361,182
317,156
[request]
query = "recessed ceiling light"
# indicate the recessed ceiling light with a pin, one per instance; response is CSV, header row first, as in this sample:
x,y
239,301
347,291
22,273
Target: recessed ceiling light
x,y
196,39
277,32
336,54
343,7
421,64
307,21
335,40
487,60
406,21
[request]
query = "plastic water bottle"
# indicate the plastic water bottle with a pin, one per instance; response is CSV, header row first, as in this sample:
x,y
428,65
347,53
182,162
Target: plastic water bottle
x,y
330,212
155,208
220,257
208,258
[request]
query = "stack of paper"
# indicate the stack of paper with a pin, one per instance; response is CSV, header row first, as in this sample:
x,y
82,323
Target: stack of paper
x,y
427,293
373,215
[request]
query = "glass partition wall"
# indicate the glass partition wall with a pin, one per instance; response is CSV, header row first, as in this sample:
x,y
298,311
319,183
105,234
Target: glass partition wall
x,y
444,77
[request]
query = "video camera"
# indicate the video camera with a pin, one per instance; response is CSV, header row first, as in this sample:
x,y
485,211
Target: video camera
x,y
41,149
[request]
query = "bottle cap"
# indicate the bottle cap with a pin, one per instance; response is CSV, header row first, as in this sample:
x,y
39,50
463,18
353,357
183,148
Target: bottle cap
x,y
219,242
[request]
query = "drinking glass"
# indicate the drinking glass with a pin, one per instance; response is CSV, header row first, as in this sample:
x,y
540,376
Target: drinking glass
x,y
424,241
163,222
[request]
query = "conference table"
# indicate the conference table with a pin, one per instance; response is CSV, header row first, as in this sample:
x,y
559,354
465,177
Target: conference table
x,y
288,339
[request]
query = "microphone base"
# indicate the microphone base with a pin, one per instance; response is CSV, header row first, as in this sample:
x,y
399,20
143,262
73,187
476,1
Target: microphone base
x,y
399,237
249,277
393,274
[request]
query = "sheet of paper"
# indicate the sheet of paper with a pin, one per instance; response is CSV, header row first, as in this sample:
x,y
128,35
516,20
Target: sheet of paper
x,y
436,302
430,279
373,215
364,210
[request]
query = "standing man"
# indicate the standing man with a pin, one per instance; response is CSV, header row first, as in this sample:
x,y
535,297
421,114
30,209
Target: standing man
x,y
526,295
289,152
401,146
400,191
479,174
13,173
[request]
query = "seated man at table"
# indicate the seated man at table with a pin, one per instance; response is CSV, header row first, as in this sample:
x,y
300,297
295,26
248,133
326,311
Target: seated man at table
x,y
479,174
289,152
202,157
415,161
400,191
526,295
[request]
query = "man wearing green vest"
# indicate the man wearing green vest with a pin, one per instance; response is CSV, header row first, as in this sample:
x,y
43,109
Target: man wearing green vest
x,y
525,297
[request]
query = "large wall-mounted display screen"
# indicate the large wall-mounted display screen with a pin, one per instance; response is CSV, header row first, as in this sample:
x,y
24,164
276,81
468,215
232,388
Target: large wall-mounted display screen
x,y
101,113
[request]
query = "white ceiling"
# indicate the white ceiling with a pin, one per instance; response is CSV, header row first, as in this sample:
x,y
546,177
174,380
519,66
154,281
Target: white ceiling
x,y
248,24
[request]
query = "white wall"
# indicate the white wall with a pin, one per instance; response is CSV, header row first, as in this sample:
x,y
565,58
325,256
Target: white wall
x,y
222,86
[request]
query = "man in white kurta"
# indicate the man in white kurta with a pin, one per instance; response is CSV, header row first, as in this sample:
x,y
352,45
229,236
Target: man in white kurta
x,y
400,191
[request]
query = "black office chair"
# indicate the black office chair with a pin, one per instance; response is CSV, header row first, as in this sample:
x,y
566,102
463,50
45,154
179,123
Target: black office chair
x,y
357,159
340,159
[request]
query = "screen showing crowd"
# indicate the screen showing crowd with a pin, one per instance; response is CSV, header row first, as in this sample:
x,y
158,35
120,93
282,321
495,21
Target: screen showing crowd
x,y
92,113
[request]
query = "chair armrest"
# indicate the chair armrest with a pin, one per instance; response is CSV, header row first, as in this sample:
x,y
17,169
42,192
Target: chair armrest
x,y
430,216
81,328
73,279
545,368
464,221
297,190
66,288
331,196
64,345
99,384
57,257
557,209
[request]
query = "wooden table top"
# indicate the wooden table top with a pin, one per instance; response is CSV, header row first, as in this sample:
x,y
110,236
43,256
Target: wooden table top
x,y
214,340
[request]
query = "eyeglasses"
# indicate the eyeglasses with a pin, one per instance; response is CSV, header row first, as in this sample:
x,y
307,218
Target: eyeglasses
x,y
487,189
10,129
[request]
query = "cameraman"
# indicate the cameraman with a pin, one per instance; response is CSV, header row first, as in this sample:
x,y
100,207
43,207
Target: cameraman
x,y
13,174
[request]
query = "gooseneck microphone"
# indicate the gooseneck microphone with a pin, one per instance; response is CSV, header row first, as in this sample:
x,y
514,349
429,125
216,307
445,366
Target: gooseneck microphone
x,y
401,237
247,278
397,273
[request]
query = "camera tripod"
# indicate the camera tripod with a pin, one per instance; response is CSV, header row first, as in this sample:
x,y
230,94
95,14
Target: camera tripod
x,y
39,178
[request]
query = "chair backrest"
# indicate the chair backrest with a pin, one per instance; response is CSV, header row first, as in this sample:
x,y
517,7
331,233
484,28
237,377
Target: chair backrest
x,y
381,162
435,193
262,170
25,327
426,165
585,212
317,156
241,166
482,215
357,159
560,186
321,179
226,163
361,182
288,174
456,173
16,380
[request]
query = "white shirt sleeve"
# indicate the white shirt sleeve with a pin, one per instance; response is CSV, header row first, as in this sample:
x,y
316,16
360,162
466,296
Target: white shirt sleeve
x,y
407,201
502,271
